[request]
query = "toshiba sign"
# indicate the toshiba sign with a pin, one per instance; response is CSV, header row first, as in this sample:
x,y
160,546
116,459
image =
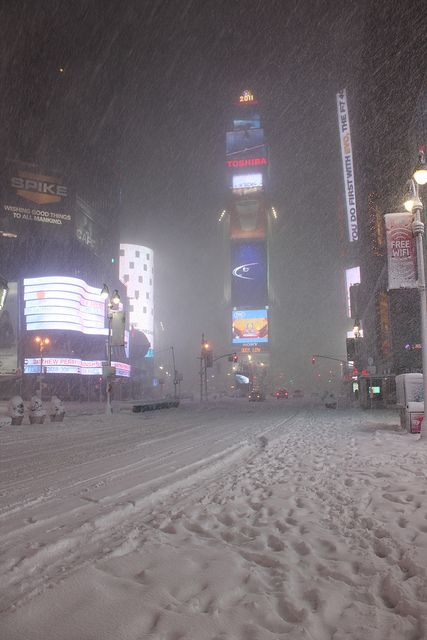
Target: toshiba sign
x,y
247,162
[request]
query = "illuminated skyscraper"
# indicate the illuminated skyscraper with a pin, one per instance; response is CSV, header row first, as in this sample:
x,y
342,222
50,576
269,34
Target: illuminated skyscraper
x,y
247,286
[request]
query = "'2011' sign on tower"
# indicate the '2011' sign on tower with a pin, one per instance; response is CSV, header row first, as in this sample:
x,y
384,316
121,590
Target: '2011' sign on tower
x,y
247,213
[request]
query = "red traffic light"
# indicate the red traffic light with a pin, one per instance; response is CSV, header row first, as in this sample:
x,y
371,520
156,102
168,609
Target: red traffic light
x,y
313,360
235,357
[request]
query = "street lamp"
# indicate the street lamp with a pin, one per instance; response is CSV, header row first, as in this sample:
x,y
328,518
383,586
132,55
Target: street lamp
x,y
414,204
113,300
42,342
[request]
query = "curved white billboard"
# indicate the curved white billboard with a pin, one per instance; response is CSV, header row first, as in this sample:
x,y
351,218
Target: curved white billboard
x,y
63,303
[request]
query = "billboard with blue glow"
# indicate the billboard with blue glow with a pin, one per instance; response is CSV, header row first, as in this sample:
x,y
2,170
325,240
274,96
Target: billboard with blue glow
x,y
248,274
249,326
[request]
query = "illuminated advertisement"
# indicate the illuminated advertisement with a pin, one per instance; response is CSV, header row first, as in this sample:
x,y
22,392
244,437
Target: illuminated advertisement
x,y
60,302
248,218
249,141
248,181
247,97
33,197
237,163
250,326
250,349
352,276
9,331
401,251
248,273
247,123
74,366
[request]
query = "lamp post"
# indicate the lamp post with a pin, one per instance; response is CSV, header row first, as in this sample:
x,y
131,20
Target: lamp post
x,y
414,204
113,300
42,342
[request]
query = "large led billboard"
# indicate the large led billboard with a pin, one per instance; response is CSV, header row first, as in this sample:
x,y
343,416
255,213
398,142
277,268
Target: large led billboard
x,y
74,366
247,181
249,326
244,141
243,124
248,217
63,303
248,274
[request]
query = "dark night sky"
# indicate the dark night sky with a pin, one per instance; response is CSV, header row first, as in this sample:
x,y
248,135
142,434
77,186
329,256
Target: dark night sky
x,y
146,92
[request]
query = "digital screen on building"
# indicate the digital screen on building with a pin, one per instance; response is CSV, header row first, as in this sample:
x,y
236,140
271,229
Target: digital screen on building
x,y
74,366
248,274
245,140
248,217
248,181
247,123
63,303
249,326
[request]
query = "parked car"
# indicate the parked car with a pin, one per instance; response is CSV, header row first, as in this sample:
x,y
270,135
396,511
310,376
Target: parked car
x,y
298,393
256,396
281,393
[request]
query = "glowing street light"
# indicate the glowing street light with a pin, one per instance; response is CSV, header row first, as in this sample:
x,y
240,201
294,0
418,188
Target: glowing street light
x,y
414,204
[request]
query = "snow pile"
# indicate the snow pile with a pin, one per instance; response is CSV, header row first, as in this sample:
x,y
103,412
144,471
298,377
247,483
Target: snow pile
x,y
261,523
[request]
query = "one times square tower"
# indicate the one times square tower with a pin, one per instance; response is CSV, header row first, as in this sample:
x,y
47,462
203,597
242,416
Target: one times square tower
x,y
247,214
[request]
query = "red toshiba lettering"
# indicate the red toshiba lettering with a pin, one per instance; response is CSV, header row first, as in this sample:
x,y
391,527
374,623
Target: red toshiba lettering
x,y
247,162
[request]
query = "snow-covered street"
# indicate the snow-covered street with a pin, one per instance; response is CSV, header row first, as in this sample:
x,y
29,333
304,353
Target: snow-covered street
x,y
229,521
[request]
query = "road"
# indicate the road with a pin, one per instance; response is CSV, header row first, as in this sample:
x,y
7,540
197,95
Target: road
x,y
61,483
228,520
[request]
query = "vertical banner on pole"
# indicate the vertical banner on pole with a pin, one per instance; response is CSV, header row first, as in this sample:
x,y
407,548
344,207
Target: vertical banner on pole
x,y
347,163
401,252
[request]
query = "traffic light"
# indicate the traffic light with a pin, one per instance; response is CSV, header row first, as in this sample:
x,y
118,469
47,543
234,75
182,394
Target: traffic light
x,y
313,360
235,357
209,358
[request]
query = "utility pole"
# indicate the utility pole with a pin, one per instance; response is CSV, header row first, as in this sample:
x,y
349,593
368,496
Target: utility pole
x,y
201,367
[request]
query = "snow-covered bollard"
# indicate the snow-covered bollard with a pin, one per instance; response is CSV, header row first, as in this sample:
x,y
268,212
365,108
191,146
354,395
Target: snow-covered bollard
x,y
16,410
37,413
56,411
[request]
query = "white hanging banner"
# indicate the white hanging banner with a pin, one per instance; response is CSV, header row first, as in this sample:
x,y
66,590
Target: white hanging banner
x,y
347,163
401,251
